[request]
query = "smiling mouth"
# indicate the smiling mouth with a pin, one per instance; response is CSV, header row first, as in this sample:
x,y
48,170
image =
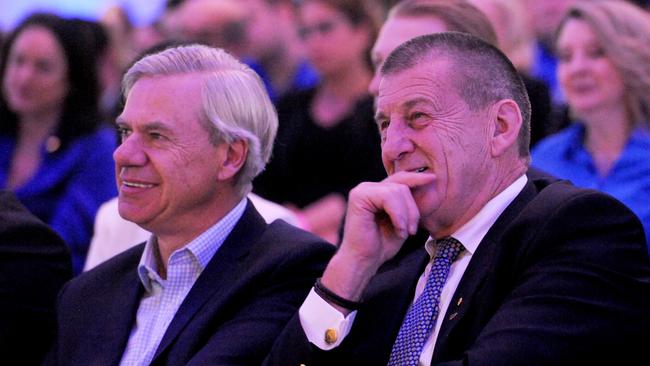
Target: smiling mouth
x,y
137,185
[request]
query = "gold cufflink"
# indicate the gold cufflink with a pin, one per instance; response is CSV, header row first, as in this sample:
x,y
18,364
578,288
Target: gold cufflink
x,y
330,336
460,301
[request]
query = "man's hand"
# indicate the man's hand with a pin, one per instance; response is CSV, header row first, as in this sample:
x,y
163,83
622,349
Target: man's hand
x,y
380,217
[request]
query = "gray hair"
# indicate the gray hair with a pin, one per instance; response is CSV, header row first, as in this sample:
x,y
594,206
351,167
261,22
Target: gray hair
x,y
236,105
483,74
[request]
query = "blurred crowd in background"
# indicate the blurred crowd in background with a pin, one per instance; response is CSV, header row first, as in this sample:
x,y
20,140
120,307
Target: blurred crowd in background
x,y
589,87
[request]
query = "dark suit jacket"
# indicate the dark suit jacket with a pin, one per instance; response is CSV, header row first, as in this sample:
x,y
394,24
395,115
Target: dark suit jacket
x,y
34,264
231,316
561,278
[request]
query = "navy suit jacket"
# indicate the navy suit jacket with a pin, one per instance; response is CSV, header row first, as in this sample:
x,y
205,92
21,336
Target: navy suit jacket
x,y
561,278
231,316
34,264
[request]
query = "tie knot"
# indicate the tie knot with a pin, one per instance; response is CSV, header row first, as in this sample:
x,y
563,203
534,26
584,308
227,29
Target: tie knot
x,y
449,247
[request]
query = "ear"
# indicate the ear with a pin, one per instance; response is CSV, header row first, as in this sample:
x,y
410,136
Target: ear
x,y
507,122
234,159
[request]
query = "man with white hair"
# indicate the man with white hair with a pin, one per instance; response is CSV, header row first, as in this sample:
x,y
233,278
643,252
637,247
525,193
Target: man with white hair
x,y
214,284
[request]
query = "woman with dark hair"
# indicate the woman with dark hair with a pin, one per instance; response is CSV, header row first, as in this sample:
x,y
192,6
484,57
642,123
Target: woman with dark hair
x,y
54,152
604,70
327,141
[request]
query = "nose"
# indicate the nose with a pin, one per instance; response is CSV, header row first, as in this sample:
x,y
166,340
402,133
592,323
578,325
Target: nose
x,y
130,153
397,143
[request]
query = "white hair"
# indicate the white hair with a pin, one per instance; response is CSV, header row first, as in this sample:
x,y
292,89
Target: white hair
x,y
236,105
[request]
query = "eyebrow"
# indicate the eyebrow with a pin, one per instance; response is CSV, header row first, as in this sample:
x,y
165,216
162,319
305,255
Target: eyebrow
x,y
406,105
413,102
147,126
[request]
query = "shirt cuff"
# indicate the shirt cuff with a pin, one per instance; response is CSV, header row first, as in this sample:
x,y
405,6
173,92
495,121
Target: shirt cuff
x,y
324,326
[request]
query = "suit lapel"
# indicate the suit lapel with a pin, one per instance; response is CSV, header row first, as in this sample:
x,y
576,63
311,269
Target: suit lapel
x,y
118,318
219,277
482,265
389,295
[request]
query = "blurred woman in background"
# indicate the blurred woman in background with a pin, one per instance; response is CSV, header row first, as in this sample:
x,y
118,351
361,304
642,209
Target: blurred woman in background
x,y
516,40
604,70
327,141
54,153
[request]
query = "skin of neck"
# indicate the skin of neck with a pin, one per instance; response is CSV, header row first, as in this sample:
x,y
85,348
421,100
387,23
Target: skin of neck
x,y
497,179
607,130
37,126
175,238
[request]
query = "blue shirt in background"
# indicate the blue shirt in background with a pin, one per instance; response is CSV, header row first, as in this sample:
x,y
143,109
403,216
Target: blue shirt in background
x,y
565,156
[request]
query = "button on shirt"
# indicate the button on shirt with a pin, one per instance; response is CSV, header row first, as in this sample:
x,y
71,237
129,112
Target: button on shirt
x,y
316,315
163,297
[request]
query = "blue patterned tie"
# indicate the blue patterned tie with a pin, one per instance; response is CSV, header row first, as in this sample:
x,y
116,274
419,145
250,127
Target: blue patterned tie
x,y
421,317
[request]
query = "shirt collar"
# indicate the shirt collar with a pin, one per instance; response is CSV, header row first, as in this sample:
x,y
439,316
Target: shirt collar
x,y
147,268
471,234
201,249
576,149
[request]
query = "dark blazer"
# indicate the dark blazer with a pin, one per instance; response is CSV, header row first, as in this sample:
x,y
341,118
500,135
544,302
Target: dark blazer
x,y
561,278
34,264
231,316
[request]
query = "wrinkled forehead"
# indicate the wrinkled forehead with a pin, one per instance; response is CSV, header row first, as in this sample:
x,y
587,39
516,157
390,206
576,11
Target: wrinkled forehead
x,y
429,78
432,65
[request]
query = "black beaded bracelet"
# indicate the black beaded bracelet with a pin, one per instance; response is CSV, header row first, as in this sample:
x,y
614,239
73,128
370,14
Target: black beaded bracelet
x,y
330,296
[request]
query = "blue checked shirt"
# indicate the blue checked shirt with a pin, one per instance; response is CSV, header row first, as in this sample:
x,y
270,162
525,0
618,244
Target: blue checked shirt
x,y
163,297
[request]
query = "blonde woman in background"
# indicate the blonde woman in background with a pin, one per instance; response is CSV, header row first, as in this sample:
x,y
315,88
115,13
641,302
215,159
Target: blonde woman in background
x,y
604,69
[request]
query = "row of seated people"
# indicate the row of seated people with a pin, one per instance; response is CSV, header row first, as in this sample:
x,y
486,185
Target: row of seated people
x,y
327,141
508,249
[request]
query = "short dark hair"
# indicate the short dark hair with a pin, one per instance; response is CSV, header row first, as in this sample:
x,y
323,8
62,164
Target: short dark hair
x,y
482,73
80,114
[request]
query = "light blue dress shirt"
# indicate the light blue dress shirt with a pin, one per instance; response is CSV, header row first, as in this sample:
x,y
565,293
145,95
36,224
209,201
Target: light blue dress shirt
x,y
163,297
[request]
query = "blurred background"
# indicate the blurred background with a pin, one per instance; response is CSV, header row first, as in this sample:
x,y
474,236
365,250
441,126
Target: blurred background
x,y
140,12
